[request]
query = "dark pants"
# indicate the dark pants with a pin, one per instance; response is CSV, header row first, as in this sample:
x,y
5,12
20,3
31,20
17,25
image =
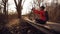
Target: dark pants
x,y
40,21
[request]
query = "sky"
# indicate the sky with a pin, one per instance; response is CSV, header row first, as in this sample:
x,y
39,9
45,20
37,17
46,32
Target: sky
x,y
11,5
27,6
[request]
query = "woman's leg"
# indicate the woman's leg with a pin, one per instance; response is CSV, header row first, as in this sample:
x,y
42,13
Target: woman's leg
x,y
40,21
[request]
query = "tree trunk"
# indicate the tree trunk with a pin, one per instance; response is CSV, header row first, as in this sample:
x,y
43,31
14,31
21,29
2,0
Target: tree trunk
x,y
4,9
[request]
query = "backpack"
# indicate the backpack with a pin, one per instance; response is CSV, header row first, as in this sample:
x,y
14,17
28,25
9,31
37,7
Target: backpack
x,y
46,15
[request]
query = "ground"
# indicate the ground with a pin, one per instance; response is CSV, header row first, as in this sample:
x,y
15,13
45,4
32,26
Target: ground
x,y
49,25
13,27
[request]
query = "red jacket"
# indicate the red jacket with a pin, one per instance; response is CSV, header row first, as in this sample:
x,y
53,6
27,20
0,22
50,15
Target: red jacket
x,y
41,14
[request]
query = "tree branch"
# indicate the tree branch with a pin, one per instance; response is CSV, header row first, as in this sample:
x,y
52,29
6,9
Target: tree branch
x,y
15,3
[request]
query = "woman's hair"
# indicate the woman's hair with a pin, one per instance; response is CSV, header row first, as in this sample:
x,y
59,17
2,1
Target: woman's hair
x,y
42,7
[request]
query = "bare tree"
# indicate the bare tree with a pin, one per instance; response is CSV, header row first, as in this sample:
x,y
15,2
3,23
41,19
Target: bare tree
x,y
5,12
18,7
4,4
